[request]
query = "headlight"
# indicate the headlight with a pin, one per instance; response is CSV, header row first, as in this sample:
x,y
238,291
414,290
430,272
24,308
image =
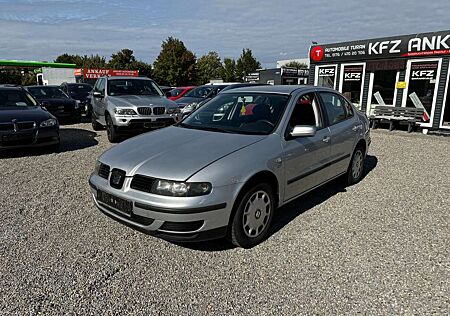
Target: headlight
x,y
173,110
97,167
125,112
189,107
174,188
49,123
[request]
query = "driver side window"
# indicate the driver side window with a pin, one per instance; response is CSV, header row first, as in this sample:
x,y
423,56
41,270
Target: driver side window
x,y
306,112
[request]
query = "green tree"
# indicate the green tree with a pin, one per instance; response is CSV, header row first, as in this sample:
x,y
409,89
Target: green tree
x,y
70,59
209,67
122,59
10,76
228,71
246,64
144,68
93,61
295,64
175,64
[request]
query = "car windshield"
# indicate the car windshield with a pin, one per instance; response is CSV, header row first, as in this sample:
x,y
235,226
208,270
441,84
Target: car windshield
x,y
133,87
199,92
16,99
176,92
47,93
243,113
75,89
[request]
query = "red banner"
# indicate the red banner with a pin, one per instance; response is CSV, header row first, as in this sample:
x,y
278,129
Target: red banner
x,y
95,73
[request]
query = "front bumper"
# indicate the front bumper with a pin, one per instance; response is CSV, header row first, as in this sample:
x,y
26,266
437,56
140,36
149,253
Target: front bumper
x,y
170,218
41,137
143,123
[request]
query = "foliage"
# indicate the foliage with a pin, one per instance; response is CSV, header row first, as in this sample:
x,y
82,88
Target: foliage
x,y
175,65
122,59
246,64
8,76
209,67
93,61
228,72
295,64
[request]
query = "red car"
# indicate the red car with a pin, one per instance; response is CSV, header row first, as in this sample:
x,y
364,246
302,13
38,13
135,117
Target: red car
x,y
177,93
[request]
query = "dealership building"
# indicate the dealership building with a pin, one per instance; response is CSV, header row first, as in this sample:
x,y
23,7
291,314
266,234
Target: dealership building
x,y
400,71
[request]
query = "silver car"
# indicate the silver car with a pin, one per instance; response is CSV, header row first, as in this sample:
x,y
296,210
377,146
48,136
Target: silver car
x,y
224,170
130,105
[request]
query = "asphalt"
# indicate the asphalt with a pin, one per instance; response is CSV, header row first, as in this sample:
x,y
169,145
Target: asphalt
x,y
381,247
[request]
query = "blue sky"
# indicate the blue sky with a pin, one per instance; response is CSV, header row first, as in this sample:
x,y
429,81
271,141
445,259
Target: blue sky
x,y
43,29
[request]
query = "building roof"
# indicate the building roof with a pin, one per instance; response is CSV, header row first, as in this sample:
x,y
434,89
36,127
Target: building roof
x,y
34,64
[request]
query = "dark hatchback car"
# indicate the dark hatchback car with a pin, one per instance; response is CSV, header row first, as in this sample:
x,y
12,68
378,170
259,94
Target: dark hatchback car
x,y
79,92
57,102
23,123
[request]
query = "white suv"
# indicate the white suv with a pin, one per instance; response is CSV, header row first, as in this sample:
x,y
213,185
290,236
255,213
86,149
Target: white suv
x,y
130,105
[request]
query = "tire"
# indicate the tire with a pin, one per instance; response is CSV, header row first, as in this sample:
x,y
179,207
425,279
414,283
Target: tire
x,y
111,130
250,223
356,167
96,126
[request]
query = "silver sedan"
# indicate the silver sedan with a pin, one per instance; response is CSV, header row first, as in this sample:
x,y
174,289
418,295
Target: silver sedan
x,y
224,170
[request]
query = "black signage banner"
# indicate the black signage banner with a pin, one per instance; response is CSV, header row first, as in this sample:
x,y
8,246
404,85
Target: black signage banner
x,y
425,44
353,73
424,71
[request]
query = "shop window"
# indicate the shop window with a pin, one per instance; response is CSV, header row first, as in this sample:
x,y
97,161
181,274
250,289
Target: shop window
x,y
352,83
383,88
421,87
326,76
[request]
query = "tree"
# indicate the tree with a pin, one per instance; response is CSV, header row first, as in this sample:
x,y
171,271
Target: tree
x,y
246,64
295,64
209,67
122,59
228,71
144,68
93,61
175,64
10,76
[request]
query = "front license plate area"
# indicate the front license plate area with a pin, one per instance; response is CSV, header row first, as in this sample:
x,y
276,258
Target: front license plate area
x,y
115,202
154,125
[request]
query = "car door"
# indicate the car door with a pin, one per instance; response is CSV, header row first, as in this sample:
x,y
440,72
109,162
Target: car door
x,y
305,159
98,103
343,125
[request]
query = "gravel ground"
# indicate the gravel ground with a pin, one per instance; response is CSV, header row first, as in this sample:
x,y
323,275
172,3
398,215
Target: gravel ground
x,y
379,247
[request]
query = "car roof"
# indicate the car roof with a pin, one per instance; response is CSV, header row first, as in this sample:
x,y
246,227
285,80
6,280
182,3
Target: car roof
x,y
125,77
47,86
279,89
10,87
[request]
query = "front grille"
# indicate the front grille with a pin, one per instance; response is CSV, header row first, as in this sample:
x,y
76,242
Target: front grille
x,y
103,171
26,125
133,217
145,111
6,127
181,226
142,183
159,110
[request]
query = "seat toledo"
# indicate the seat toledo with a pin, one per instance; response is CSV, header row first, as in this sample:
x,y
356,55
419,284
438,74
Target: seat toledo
x,y
225,169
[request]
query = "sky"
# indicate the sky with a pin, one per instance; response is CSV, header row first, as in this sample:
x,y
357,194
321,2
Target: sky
x,y
274,30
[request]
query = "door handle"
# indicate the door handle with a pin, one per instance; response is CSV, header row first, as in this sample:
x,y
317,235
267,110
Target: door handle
x,y
326,139
357,127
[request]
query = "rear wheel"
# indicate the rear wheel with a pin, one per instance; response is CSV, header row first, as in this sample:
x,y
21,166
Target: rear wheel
x,y
253,216
355,170
111,130
95,125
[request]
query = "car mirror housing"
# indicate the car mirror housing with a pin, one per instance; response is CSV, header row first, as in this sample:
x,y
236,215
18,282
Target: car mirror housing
x,y
97,94
303,131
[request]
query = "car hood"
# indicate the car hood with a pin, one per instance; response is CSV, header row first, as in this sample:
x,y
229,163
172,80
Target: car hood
x,y
24,114
81,96
188,100
140,100
174,153
51,104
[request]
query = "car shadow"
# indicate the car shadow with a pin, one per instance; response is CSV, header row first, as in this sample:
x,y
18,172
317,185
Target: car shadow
x,y
290,211
72,139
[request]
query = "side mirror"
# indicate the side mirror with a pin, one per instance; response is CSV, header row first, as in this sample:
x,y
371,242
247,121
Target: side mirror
x,y
168,94
97,94
303,131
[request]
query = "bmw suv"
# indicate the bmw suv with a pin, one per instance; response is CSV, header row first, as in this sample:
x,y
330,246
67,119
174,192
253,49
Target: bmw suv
x,y
130,105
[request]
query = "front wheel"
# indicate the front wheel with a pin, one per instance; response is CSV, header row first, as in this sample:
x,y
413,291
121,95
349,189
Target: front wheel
x,y
111,130
253,216
95,125
355,170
